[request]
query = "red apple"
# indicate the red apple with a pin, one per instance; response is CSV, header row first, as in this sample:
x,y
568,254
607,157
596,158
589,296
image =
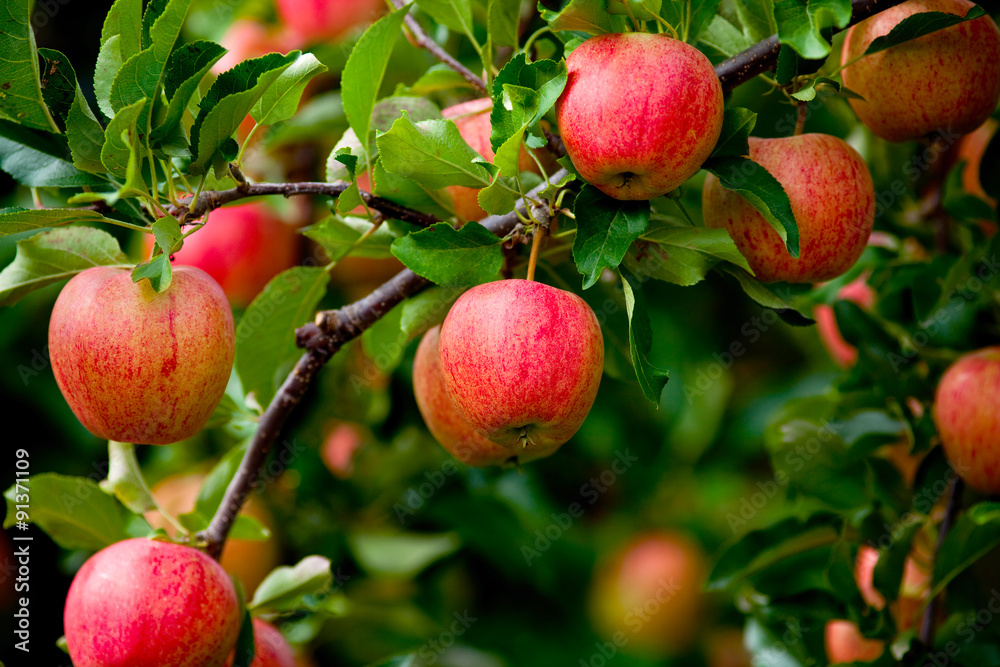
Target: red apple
x,y
444,423
856,291
846,644
143,603
247,39
342,442
311,21
948,80
970,149
521,362
271,649
913,590
832,197
640,113
649,593
967,414
140,366
242,247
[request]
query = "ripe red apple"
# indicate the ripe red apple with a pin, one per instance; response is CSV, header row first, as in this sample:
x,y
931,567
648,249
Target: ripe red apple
x,y
832,197
241,247
444,423
137,366
846,644
948,80
143,603
856,291
247,39
913,590
650,591
967,414
312,21
342,442
270,647
521,362
248,560
640,113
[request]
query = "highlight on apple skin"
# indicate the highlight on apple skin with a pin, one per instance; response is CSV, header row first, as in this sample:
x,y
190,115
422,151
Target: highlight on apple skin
x,y
521,362
946,81
145,603
658,127
832,197
139,366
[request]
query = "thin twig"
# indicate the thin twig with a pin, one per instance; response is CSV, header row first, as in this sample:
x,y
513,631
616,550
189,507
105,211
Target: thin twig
x,y
950,514
800,119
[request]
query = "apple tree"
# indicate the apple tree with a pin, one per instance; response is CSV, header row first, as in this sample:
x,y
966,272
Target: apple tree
x,y
475,332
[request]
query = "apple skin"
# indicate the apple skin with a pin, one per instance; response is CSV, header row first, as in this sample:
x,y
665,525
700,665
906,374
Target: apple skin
x,y
310,21
913,589
640,113
143,603
832,197
140,367
522,358
341,444
248,560
242,248
948,80
967,414
856,291
846,644
444,423
271,649
651,591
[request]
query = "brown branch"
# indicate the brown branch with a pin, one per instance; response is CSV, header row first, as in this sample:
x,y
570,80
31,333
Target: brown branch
x,y
950,514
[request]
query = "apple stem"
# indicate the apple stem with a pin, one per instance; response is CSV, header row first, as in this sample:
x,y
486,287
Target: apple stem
x,y
537,238
800,121
951,513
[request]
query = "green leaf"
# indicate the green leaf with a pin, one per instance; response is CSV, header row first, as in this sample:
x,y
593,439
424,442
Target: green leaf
x,y
50,257
246,644
438,78
40,159
366,68
502,18
432,153
426,310
389,109
737,124
213,489
448,256
22,100
84,134
409,193
682,255
606,228
109,63
125,481
456,15
918,25
58,82
808,93
281,100
500,196
186,68
800,23
696,14
265,335
652,380
404,555
724,38
124,20
122,140
757,290
338,237
156,270
19,220
975,534
74,511
760,188
285,587
589,16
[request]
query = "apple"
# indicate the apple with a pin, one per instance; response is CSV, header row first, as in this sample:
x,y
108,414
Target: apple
x,y
967,414
948,80
271,649
247,39
913,590
521,362
832,197
140,366
341,444
971,148
242,247
444,423
249,560
640,113
856,291
144,603
310,21
846,644
650,591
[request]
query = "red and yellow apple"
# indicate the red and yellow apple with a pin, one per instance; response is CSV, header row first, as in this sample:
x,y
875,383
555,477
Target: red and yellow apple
x,y
857,291
832,197
640,113
967,414
145,603
947,81
846,644
649,594
140,366
521,362
271,649
310,21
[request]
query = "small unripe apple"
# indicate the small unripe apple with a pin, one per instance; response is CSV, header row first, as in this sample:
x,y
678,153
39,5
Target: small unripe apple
x,y
140,366
271,649
967,414
846,644
947,81
144,603
522,362
444,423
832,197
857,291
325,20
650,591
640,113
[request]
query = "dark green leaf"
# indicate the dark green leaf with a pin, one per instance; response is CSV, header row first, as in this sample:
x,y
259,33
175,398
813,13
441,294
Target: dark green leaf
x,y
22,100
456,15
156,270
974,535
918,25
122,140
446,256
39,159
588,16
281,100
737,124
432,153
682,255
502,17
124,20
186,68
801,22
652,380
58,84
606,228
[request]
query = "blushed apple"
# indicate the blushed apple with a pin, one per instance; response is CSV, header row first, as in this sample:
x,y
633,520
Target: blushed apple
x,y
139,366
967,414
144,603
857,291
846,644
310,21
913,590
832,197
521,362
947,81
439,413
340,445
640,113
271,649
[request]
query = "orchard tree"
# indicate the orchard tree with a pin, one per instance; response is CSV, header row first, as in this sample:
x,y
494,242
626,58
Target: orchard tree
x,y
222,259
